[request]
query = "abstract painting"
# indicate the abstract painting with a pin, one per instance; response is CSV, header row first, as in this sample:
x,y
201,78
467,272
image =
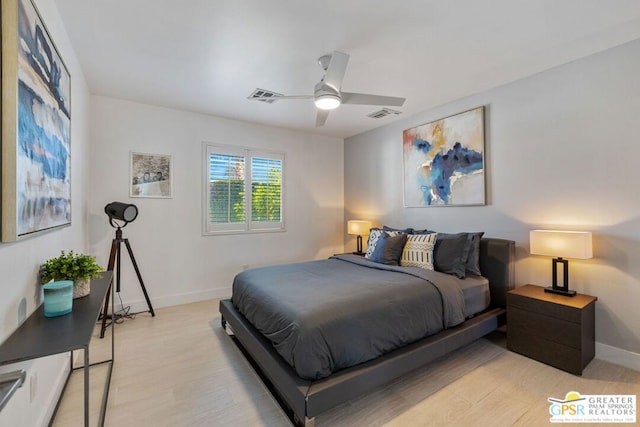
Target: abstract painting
x,y
36,126
151,175
444,161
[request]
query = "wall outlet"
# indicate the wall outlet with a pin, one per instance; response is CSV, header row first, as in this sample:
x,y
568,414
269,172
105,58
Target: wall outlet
x,y
33,387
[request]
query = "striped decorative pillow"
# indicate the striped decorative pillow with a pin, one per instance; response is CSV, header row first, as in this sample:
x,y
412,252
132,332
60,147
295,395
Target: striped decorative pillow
x,y
418,251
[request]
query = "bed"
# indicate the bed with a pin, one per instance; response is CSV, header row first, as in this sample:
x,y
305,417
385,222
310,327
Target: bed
x,y
313,389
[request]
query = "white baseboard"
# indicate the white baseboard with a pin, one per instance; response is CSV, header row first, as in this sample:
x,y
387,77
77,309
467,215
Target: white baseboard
x,y
177,299
616,355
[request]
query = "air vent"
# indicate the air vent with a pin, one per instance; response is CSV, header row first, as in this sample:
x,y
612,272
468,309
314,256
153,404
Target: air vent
x,y
264,96
383,113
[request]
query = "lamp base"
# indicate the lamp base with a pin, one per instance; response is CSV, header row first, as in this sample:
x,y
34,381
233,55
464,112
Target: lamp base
x,y
559,291
358,253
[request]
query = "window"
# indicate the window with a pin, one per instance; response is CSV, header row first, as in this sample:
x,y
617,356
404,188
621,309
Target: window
x,y
243,190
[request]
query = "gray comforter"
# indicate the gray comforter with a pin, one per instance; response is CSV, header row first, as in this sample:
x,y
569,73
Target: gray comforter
x,y
327,315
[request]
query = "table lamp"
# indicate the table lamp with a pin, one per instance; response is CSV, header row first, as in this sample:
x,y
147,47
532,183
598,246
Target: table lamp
x,y
359,228
561,244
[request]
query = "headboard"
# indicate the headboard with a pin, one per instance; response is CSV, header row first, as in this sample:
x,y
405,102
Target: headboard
x,y
497,260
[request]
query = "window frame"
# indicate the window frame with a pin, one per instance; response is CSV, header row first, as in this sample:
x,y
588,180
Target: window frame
x,y
248,225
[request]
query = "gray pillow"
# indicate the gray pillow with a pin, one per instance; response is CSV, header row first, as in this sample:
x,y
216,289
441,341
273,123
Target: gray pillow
x,y
402,230
449,254
472,264
389,249
425,231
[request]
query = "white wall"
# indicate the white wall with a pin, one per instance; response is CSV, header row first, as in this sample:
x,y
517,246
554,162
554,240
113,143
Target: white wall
x,y
562,151
19,262
178,264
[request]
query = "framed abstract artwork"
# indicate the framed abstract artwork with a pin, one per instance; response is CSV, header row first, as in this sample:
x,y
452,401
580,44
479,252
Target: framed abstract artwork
x,y
36,126
151,175
444,161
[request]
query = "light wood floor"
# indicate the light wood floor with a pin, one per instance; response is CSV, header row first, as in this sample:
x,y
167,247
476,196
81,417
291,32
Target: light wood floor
x,y
180,369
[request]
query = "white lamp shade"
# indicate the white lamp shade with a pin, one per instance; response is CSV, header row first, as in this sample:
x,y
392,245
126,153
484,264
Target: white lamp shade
x,y
357,227
564,244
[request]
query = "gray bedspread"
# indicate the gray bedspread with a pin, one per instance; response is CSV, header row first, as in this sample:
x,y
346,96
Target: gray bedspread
x,y
324,316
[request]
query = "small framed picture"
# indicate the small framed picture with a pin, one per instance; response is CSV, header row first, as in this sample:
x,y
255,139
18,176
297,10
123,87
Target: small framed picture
x,y
151,175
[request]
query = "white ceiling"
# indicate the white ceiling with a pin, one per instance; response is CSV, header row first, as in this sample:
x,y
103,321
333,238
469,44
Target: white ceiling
x,y
207,56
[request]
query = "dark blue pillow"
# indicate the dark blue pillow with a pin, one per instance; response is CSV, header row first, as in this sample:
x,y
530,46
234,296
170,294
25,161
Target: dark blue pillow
x,y
389,249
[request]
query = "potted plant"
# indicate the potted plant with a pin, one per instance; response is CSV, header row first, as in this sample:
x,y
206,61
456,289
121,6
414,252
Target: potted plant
x,y
70,266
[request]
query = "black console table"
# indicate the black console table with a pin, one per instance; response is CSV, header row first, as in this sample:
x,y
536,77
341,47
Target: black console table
x,y
41,336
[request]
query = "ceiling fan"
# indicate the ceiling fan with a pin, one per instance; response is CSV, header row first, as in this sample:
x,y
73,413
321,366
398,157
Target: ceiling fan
x,y
327,94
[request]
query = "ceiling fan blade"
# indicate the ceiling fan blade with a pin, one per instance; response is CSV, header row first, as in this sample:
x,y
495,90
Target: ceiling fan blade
x,y
364,99
321,117
335,71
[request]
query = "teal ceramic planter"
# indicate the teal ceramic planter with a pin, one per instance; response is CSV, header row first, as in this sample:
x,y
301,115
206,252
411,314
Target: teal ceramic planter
x,y
58,298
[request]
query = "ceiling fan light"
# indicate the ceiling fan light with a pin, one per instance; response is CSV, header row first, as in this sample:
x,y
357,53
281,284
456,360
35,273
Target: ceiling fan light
x,y
327,101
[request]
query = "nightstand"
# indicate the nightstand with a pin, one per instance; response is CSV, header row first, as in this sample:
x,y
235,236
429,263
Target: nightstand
x,y
553,329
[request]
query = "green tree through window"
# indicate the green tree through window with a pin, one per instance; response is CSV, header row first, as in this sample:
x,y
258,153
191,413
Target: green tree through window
x,y
232,173
265,189
226,189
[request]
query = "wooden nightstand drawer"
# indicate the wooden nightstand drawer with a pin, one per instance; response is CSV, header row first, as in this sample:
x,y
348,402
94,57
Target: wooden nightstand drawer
x,y
550,329
552,353
553,329
546,308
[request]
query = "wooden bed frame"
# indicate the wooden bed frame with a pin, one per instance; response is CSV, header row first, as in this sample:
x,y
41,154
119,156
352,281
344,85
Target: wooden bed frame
x,y
306,398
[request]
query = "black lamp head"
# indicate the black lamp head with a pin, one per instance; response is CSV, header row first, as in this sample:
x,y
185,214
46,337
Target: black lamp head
x,y
121,211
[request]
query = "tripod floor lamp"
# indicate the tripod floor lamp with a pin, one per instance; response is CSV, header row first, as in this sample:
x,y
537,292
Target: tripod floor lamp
x,y
121,214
